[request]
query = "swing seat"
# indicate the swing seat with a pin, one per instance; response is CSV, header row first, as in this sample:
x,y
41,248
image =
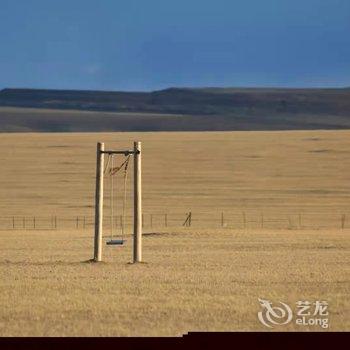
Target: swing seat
x,y
115,242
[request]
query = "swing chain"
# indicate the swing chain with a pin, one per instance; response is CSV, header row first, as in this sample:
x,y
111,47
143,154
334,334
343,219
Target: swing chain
x,y
111,172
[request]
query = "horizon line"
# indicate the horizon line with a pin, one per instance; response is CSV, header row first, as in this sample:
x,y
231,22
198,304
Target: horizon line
x,y
182,88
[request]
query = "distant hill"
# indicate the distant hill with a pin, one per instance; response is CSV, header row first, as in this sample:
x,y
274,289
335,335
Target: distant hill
x,y
174,109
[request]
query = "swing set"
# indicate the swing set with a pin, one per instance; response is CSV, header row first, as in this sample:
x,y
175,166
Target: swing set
x,y
112,171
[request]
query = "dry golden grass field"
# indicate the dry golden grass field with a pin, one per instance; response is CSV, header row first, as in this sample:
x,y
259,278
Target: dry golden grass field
x,y
205,277
277,173
192,281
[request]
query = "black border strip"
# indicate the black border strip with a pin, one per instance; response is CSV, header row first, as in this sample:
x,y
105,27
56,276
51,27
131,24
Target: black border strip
x,y
192,340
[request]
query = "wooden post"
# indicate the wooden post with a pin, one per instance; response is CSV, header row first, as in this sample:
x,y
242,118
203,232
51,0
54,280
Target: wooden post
x,y
222,219
166,220
187,222
244,220
137,204
13,222
343,221
24,222
151,220
77,222
55,222
99,202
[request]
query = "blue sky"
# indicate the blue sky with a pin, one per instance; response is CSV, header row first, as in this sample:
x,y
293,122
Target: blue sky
x,y
154,44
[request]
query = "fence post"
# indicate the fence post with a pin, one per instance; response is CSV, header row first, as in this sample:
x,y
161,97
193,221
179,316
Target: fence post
x,y
56,222
244,220
77,222
187,222
299,221
342,219
262,220
34,223
190,219
222,219
13,222
151,220
166,220
24,222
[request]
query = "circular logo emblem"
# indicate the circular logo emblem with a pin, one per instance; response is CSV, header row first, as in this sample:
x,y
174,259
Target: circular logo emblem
x,y
274,315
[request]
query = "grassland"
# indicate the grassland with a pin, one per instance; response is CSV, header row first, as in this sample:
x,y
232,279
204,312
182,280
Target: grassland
x,y
194,279
274,172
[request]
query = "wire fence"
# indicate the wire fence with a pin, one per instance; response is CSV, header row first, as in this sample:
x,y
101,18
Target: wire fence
x,y
242,220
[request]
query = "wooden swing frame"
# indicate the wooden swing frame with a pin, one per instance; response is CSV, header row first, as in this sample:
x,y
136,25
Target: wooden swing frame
x,y
137,244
